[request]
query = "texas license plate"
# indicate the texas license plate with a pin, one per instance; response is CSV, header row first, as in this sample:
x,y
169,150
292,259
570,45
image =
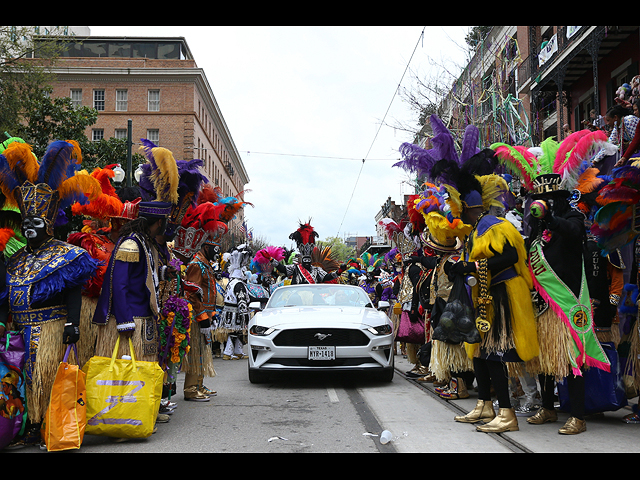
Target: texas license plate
x,y
322,353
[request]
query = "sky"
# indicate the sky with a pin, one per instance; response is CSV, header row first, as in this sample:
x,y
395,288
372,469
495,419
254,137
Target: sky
x,y
305,106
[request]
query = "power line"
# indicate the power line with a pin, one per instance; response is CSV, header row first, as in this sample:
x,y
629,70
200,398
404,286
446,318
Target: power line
x,y
379,127
318,156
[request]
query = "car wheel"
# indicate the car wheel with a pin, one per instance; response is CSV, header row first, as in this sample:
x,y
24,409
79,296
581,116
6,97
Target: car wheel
x,y
386,376
257,377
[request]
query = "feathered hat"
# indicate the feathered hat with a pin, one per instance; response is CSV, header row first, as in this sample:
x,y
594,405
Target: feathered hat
x,y
558,164
305,238
232,205
107,204
199,224
189,185
444,232
42,189
420,161
472,184
617,222
263,258
371,263
158,181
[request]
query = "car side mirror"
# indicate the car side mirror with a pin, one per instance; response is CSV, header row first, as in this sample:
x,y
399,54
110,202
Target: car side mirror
x,y
382,304
255,306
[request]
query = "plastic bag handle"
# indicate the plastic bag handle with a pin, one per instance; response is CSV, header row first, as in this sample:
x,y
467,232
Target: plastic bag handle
x,y
115,353
75,352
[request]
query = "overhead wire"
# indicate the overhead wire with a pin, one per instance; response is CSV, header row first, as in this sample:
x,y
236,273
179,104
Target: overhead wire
x,y
420,38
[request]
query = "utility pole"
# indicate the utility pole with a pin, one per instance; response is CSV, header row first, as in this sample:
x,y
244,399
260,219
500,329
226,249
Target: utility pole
x,y
129,147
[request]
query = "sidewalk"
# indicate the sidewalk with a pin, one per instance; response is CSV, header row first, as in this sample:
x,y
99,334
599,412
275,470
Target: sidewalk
x,y
420,421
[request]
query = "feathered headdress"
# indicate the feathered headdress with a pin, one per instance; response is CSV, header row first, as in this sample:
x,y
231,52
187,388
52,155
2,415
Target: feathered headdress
x,y
107,204
41,190
305,234
617,222
420,161
199,225
444,230
231,204
160,177
191,180
370,263
559,165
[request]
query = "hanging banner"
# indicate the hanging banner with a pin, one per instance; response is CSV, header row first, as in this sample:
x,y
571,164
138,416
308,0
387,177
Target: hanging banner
x,y
571,31
547,52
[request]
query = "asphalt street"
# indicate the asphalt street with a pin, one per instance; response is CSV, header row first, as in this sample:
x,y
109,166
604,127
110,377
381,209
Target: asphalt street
x,y
346,414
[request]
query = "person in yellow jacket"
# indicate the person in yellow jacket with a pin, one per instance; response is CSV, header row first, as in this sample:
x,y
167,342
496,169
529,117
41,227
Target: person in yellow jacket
x,y
494,252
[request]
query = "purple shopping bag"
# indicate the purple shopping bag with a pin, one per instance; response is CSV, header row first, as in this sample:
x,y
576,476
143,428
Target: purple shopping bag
x,y
13,404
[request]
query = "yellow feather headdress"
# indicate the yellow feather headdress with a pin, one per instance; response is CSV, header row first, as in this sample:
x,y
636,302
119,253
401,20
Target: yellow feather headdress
x,y
42,189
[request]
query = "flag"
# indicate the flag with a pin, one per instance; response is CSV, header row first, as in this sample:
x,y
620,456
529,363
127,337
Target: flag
x,y
250,234
243,228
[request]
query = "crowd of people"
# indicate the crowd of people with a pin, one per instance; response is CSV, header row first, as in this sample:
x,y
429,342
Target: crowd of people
x,y
516,268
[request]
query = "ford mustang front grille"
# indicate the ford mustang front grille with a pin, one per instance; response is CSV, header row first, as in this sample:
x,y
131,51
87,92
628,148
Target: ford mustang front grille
x,y
304,337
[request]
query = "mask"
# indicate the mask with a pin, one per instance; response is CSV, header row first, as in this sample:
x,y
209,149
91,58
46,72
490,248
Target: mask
x,y
34,229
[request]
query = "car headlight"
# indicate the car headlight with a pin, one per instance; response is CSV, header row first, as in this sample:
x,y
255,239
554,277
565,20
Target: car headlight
x,y
385,329
261,331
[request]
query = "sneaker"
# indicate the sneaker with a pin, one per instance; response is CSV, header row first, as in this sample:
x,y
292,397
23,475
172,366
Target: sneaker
x,y
192,394
207,391
163,418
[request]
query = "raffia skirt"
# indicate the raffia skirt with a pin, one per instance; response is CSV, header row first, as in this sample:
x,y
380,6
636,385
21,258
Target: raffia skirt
x,y
145,340
199,358
88,330
555,343
50,352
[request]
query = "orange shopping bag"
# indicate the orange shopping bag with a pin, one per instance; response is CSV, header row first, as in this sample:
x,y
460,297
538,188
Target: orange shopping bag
x,y
64,423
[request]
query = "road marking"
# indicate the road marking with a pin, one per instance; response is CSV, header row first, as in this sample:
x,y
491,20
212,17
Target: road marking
x,y
333,396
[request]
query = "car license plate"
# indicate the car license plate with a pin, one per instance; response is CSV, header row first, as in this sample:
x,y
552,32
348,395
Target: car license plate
x,y
322,353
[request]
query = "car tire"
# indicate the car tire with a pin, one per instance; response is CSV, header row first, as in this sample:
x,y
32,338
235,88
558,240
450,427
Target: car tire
x,y
257,377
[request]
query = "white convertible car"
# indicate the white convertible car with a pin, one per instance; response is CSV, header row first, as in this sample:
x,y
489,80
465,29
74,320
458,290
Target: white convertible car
x,y
320,327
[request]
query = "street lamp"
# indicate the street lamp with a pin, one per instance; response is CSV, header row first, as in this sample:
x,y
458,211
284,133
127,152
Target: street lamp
x,y
119,174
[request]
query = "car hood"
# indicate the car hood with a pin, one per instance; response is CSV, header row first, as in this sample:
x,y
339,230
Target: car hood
x,y
320,316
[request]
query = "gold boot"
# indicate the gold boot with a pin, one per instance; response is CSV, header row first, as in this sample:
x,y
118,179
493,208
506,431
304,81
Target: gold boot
x,y
573,426
505,421
543,415
483,412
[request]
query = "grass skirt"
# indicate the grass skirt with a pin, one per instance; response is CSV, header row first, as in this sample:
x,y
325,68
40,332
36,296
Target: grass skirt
x,y
447,358
88,330
556,345
142,343
199,359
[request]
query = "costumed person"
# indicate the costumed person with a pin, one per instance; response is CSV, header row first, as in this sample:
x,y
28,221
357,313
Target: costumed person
x,y
305,271
263,262
615,227
128,303
567,340
370,264
235,314
494,252
412,329
45,277
177,182
96,239
420,162
202,228
443,239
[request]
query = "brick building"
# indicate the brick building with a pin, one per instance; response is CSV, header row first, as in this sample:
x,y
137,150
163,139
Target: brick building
x,y
155,83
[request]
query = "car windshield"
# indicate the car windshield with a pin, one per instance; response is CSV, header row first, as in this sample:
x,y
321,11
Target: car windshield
x,y
319,295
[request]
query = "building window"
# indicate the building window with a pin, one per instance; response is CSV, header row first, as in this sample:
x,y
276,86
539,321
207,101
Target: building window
x,y
76,97
121,100
97,134
154,100
98,100
153,134
121,133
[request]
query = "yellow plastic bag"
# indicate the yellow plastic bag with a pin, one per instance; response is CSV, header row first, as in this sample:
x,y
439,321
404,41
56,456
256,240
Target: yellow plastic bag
x,y
123,396
64,423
